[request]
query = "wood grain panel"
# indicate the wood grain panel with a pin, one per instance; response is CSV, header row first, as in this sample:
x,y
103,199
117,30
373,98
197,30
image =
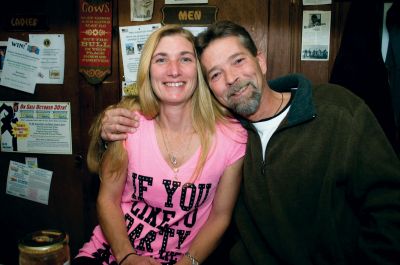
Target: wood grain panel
x,y
279,55
65,208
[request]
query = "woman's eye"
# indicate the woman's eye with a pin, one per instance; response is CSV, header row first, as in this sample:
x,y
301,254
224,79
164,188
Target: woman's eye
x,y
160,60
187,59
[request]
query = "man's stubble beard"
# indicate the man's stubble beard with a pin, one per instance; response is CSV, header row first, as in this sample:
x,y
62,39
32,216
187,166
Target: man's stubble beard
x,y
244,106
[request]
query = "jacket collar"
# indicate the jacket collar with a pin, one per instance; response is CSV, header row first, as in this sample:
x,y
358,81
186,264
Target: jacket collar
x,y
302,107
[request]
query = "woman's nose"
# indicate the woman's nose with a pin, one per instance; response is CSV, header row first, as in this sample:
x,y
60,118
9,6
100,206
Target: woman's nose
x,y
173,69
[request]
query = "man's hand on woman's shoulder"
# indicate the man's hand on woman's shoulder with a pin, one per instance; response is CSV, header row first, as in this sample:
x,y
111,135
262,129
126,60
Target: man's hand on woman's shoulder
x,y
117,122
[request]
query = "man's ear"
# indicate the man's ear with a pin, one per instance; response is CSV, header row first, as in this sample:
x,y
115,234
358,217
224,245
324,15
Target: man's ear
x,y
262,61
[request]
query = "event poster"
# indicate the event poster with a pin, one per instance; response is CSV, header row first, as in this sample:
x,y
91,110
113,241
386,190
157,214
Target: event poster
x,y
36,127
21,66
52,57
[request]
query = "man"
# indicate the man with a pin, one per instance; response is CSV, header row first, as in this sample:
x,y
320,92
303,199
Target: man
x,y
321,183
315,20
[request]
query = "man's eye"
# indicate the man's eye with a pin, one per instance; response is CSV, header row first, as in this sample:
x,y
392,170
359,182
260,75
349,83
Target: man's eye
x,y
215,76
239,60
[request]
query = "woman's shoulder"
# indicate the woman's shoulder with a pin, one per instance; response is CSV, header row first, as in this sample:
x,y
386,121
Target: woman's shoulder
x,y
145,124
232,131
143,120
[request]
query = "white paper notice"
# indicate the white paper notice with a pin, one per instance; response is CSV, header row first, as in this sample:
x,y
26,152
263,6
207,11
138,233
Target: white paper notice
x,y
316,35
20,69
132,41
31,162
36,127
141,10
29,183
195,30
178,2
52,57
316,2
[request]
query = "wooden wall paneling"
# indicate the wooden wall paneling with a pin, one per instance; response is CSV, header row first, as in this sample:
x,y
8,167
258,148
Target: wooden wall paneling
x,y
318,71
89,107
295,32
339,15
276,29
93,100
253,16
279,38
67,182
124,19
64,210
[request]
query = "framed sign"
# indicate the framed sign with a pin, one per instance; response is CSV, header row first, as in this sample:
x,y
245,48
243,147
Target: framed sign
x,y
191,15
25,22
95,39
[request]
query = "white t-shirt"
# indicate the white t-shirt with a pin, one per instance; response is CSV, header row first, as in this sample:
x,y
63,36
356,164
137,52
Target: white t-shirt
x,y
267,127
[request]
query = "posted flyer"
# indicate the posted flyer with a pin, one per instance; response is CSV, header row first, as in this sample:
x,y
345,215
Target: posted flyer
x,y
29,183
179,2
21,66
52,57
36,127
315,35
316,2
141,10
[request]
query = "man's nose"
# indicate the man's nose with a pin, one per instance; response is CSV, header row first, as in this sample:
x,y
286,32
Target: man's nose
x,y
231,76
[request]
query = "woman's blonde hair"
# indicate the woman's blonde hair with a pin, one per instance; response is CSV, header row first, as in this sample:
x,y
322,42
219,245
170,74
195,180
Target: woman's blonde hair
x,y
206,111
115,150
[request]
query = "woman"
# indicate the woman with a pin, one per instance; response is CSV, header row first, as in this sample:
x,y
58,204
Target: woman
x,y
167,192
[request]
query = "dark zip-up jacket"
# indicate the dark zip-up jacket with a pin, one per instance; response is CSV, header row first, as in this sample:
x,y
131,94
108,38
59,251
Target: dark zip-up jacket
x,y
328,191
